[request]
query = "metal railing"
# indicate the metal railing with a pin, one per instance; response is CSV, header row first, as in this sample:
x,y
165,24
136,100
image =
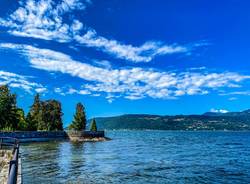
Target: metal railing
x,y
11,143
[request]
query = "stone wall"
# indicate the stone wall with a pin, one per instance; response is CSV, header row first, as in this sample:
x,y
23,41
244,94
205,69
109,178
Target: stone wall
x,y
38,136
35,136
86,136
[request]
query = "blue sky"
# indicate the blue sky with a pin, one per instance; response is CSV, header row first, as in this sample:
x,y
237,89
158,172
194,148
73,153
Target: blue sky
x,y
133,56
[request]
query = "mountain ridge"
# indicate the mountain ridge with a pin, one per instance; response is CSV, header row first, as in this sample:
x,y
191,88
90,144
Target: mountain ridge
x,y
207,121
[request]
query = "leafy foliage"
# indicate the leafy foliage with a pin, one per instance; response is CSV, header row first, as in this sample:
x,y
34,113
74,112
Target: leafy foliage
x,y
8,109
22,123
79,122
50,116
33,117
43,115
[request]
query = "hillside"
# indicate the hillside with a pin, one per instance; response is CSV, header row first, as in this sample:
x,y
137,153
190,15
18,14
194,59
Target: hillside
x,y
208,121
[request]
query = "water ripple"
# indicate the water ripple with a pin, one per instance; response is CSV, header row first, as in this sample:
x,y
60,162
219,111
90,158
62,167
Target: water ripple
x,y
142,157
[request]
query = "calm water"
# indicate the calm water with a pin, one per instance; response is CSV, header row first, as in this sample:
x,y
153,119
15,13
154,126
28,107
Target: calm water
x,y
142,157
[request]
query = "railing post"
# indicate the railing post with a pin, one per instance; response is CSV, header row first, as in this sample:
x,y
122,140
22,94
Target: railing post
x,y
14,149
17,157
1,143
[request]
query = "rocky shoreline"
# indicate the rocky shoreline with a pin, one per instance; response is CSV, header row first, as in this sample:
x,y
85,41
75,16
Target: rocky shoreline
x,y
5,157
84,139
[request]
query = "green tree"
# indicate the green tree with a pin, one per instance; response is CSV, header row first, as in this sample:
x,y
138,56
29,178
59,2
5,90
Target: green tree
x,y
22,124
34,116
50,116
31,126
93,126
41,117
56,115
45,115
8,109
79,122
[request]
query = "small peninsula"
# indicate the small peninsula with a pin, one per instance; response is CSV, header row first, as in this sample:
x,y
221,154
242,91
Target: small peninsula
x,y
44,121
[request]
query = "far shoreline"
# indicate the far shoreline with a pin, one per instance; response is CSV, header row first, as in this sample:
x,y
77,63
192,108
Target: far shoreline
x,y
107,130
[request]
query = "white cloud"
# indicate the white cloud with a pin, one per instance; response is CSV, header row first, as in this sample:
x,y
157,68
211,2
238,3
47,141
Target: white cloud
x,y
245,93
18,81
59,91
198,68
44,19
84,92
143,53
232,98
81,91
219,110
69,91
131,83
41,90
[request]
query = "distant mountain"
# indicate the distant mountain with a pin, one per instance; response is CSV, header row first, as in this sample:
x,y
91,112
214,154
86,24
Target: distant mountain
x,y
207,121
242,113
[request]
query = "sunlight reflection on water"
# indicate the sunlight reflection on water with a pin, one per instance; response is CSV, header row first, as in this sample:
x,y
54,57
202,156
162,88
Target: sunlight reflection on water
x,y
142,157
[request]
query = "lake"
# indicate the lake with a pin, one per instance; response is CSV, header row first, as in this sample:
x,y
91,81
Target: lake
x,y
142,157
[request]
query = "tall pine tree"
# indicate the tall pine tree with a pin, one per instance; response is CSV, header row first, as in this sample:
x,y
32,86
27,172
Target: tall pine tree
x,y
34,116
93,126
79,122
